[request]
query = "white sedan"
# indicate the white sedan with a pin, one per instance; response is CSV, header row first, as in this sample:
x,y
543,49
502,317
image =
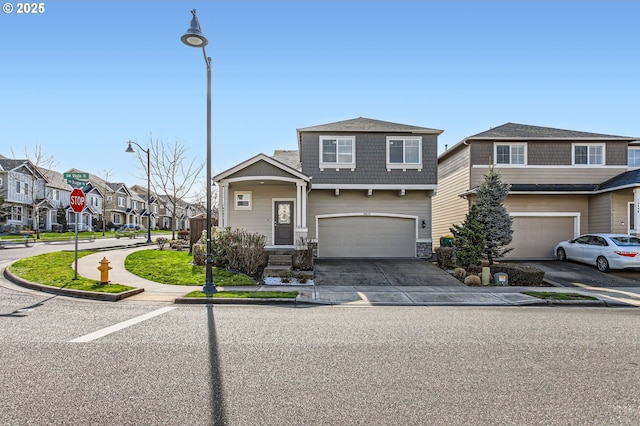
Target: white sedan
x,y
606,251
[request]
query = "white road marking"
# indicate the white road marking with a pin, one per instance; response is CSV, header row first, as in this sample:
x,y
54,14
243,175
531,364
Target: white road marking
x,y
117,327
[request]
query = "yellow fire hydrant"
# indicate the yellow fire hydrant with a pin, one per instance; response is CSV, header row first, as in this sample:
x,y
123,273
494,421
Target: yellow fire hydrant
x,y
104,271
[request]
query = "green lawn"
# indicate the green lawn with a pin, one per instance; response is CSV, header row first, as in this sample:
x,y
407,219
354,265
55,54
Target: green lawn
x,y
558,296
248,294
56,270
174,267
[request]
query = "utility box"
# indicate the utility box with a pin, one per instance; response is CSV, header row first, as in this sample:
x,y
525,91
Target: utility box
x,y
500,278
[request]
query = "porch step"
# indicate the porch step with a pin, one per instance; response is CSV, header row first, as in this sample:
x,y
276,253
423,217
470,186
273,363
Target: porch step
x,y
280,260
275,271
277,264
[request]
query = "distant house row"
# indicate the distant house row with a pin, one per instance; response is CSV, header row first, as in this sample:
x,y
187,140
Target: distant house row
x,y
38,197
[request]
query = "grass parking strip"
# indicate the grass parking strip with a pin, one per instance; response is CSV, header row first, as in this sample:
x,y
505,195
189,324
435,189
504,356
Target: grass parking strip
x,y
55,269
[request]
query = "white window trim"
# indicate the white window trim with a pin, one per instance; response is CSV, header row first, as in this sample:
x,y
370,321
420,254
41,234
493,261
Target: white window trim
x,y
404,166
337,165
573,154
510,144
235,200
123,203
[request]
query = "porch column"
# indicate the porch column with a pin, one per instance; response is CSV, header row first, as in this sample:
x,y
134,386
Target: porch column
x,y
298,205
636,210
223,214
301,213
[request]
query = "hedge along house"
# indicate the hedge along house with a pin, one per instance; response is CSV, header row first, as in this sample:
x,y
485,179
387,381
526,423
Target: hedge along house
x,y
563,183
359,188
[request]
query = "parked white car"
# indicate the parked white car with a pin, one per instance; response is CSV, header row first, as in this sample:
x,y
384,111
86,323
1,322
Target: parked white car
x,y
605,251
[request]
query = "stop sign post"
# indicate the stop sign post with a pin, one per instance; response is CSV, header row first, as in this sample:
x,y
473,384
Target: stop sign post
x,y
77,203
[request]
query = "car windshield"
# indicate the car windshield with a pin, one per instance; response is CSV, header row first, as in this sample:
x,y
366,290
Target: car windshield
x,y
626,241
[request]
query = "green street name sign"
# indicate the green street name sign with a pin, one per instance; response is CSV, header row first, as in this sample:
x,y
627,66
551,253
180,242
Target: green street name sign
x,y
76,176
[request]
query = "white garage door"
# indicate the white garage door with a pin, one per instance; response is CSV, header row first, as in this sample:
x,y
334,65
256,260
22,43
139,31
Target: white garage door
x,y
535,237
366,236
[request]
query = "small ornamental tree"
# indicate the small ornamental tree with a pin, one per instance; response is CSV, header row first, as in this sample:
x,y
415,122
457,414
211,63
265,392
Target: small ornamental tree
x,y
494,216
469,239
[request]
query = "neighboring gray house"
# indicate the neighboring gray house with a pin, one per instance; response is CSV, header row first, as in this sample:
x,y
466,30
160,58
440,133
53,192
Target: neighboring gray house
x,y
359,188
22,187
563,183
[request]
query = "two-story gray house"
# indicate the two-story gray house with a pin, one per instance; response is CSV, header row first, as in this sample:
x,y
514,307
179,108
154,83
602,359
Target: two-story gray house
x,y
359,188
563,183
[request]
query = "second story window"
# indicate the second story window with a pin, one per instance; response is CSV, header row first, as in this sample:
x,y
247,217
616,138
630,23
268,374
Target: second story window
x,y
337,152
404,153
634,157
515,154
135,205
588,154
120,201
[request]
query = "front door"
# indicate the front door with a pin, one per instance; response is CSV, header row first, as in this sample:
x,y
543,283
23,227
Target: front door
x,y
283,223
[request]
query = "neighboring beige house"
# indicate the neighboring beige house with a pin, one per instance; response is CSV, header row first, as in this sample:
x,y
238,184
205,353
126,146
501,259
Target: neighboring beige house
x,y
563,183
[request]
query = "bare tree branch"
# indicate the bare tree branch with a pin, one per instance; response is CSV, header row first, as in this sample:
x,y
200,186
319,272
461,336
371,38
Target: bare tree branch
x,y
173,174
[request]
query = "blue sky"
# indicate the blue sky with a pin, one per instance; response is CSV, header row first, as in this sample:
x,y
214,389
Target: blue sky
x,y
84,77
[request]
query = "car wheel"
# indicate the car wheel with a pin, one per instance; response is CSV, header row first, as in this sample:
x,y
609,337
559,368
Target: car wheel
x,y
602,264
561,254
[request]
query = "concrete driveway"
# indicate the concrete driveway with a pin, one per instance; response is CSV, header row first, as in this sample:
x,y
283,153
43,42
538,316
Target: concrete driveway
x,y
574,274
380,272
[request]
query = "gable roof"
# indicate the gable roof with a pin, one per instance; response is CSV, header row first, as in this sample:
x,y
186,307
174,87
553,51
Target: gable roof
x,y
524,131
362,124
261,157
629,178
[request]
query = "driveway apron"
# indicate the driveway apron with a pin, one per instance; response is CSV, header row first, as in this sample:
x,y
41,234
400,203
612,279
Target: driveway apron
x,y
401,272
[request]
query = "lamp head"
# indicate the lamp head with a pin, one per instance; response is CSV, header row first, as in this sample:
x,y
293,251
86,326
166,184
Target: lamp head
x,y
129,148
193,37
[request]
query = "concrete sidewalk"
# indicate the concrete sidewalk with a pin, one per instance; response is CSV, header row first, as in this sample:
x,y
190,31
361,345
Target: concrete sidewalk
x,y
361,295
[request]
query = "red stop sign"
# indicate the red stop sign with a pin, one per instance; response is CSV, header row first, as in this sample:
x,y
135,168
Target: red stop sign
x,y
77,201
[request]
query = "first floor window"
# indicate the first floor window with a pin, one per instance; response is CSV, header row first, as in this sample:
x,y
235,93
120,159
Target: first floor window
x,y
116,219
588,154
242,200
16,213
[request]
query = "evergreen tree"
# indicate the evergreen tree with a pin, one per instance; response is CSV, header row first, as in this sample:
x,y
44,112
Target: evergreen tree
x,y
494,216
469,239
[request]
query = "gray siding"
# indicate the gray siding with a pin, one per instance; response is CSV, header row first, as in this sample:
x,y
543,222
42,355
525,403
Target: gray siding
x,y
260,168
417,203
370,161
549,153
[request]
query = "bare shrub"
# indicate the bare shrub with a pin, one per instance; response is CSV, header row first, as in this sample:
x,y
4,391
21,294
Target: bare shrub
x,y
199,254
238,250
445,257
459,273
472,280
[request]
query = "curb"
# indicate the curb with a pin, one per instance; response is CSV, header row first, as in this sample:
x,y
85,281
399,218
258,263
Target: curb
x,y
236,301
83,294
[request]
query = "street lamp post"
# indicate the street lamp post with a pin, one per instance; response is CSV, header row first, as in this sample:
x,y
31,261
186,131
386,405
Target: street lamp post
x,y
194,38
130,149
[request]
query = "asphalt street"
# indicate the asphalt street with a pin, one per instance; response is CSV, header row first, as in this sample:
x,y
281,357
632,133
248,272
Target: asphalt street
x,y
76,362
